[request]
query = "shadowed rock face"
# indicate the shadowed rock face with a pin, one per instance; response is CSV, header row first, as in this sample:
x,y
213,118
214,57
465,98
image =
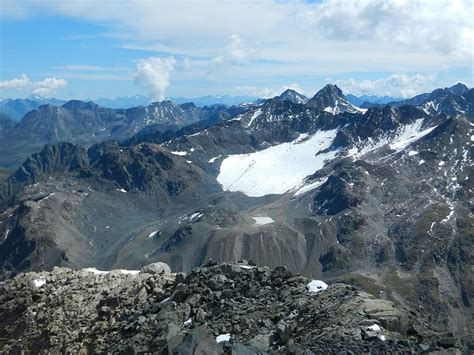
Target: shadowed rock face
x,y
331,98
253,309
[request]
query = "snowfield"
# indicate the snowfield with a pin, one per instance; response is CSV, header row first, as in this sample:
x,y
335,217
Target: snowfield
x,y
405,136
277,169
263,220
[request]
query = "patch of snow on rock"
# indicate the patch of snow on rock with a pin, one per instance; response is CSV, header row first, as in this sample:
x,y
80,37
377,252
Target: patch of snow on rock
x,y
182,154
263,220
212,160
39,282
195,216
409,134
246,266
254,116
153,234
316,286
277,169
222,337
308,187
406,135
374,327
95,271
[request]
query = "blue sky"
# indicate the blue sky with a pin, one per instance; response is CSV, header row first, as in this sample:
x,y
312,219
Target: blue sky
x,y
89,49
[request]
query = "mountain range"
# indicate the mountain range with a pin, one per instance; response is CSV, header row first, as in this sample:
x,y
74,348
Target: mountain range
x,y
379,198
16,109
365,100
87,123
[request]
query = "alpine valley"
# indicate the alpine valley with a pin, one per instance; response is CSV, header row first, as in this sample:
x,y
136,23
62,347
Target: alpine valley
x,y
376,201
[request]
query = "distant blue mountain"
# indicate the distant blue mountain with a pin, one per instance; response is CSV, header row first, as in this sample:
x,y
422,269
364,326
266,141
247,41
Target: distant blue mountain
x,y
372,99
140,100
15,109
122,101
210,100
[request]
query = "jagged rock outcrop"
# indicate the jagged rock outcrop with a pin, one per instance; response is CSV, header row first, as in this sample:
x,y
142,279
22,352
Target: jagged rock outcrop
x,y
217,308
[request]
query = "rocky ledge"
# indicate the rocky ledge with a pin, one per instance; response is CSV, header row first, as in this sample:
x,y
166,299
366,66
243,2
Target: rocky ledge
x,y
217,308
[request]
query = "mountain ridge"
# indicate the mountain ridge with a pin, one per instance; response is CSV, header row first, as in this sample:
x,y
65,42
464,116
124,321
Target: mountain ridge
x,y
379,199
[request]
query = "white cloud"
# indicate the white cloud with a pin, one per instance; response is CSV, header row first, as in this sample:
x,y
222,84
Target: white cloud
x,y
153,74
396,85
46,86
441,26
237,52
266,93
291,38
17,83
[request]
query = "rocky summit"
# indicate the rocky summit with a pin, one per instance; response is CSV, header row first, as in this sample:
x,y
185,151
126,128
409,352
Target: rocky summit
x,y
219,308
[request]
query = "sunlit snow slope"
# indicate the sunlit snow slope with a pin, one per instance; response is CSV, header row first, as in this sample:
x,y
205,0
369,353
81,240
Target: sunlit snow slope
x,y
277,169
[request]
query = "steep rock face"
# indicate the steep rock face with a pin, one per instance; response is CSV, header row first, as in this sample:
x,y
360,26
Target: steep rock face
x,y
409,211
53,159
53,214
146,167
219,308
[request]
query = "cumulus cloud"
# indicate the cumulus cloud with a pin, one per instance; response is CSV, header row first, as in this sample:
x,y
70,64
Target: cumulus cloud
x,y
237,52
44,87
396,85
153,74
265,93
292,38
17,83
48,86
444,27
441,26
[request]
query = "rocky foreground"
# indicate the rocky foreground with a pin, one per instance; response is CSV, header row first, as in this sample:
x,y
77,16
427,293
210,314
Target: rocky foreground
x,y
217,308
